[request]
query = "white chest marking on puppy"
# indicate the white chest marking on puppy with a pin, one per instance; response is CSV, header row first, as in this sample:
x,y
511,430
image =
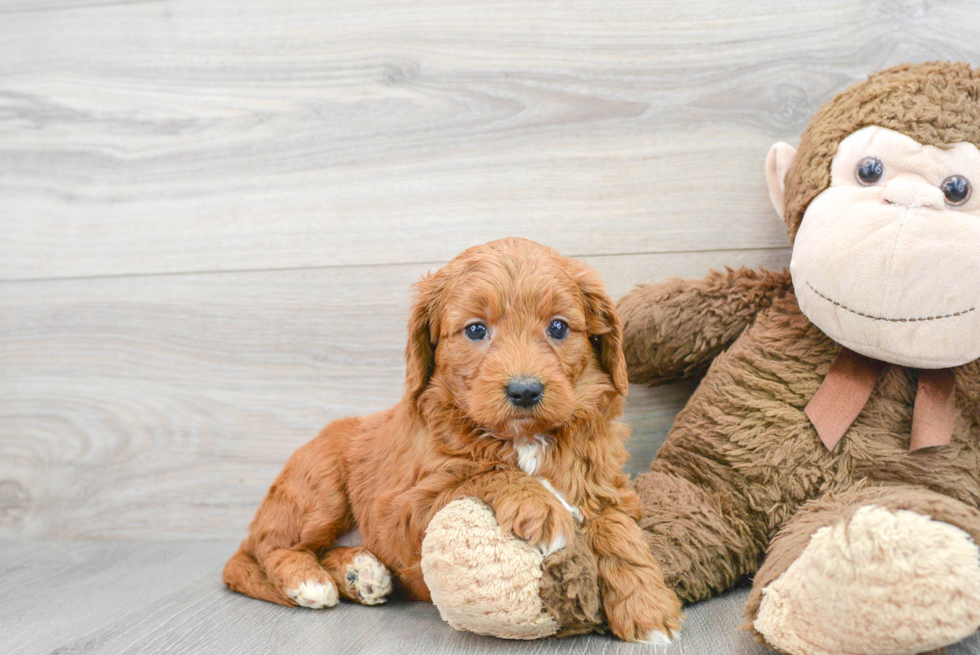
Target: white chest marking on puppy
x,y
530,454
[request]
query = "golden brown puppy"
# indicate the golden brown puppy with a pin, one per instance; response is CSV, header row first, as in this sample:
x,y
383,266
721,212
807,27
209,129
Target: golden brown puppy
x,y
515,378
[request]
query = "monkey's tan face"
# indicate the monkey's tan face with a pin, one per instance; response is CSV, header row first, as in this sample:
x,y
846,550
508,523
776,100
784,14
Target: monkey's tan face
x,y
887,259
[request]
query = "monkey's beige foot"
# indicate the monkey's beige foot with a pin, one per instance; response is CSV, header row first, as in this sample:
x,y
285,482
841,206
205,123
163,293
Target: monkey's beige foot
x,y
482,579
485,580
883,582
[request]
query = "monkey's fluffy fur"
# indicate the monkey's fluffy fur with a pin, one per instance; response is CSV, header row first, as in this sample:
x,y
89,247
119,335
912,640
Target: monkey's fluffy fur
x,y
743,483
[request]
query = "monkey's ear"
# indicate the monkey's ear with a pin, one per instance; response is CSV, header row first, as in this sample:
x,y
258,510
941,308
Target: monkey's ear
x,y
604,326
420,353
780,158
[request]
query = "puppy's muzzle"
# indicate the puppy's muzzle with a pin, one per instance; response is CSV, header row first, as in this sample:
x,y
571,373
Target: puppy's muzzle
x,y
524,392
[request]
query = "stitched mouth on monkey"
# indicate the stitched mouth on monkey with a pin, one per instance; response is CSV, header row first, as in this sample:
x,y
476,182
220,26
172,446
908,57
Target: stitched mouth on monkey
x,y
899,293
910,319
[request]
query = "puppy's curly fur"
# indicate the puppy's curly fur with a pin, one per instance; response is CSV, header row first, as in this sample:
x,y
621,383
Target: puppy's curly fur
x,y
457,433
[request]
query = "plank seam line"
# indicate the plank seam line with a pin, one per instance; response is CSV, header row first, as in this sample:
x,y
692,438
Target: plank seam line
x,y
70,7
278,269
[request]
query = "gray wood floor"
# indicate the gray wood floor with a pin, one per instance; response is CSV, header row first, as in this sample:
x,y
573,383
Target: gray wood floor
x,y
211,214
165,597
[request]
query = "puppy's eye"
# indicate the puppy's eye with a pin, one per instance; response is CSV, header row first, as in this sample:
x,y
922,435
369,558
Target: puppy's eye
x,y
558,329
475,331
869,171
957,190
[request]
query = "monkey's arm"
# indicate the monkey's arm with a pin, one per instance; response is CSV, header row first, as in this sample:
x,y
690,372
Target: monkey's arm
x,y
705,537
674,329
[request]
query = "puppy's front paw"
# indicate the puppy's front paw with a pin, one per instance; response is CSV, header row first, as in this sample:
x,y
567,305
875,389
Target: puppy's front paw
x,y
642,609
540,520
315,595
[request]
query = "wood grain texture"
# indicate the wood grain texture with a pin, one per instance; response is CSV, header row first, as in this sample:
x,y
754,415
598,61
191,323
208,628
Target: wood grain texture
x,y
239,134
44,6
163,406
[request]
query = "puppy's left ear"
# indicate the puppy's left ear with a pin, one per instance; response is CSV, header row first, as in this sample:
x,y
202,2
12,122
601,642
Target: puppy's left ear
x,y
605,329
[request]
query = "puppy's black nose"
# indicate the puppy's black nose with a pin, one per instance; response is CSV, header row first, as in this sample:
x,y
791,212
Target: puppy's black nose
x,y
525,392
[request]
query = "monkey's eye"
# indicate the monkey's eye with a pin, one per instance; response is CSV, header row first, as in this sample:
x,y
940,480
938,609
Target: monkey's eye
x,y
957,190
475,331
870,170
558,329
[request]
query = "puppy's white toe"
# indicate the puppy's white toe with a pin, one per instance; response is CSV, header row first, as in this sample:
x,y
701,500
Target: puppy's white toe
x,y
659,638
369,579
315,595
556,544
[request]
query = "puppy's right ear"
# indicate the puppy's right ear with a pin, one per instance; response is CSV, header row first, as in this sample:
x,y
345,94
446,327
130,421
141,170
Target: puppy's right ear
x,y
605,328
420,353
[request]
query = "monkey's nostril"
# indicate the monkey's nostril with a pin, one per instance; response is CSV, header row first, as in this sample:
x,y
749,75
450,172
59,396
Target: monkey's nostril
x,y
908,193
525,391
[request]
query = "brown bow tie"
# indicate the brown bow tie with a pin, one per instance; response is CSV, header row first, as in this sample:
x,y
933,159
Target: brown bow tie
x,y
848,386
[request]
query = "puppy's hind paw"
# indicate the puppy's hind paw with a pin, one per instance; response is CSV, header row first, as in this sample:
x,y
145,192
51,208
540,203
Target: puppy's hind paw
x,y
315,595
368,579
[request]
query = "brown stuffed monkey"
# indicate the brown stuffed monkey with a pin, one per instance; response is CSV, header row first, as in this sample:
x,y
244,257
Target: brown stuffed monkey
x,y
832,449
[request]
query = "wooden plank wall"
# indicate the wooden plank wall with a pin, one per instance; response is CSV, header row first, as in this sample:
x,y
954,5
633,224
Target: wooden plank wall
x,y
211,213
